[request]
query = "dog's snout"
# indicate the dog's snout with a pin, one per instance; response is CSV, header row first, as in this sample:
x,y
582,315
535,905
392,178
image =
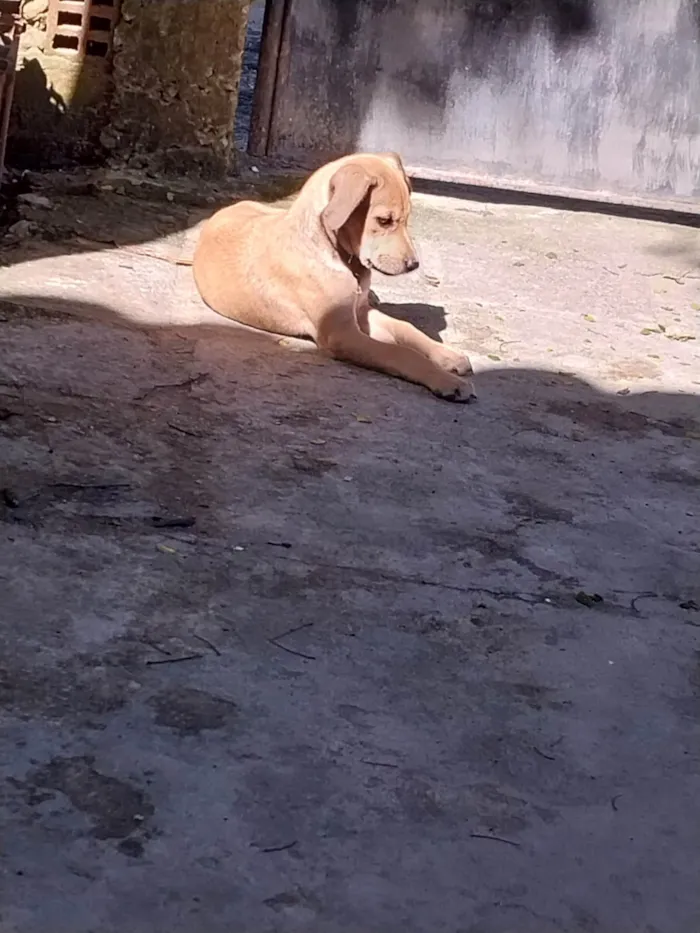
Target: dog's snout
x,y
411,263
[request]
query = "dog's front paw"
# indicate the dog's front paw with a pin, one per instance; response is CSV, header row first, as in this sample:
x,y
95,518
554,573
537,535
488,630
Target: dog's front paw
x,y
452,389
452,361
464,395
462,365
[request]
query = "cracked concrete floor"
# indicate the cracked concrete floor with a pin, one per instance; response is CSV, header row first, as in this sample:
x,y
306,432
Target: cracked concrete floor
x,y
287,646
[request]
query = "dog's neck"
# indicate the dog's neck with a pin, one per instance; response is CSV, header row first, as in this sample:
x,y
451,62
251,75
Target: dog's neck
x,y
339,256
351,261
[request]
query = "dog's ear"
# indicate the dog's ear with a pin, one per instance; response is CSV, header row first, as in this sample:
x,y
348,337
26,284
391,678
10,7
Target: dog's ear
x,y
349,187
395,160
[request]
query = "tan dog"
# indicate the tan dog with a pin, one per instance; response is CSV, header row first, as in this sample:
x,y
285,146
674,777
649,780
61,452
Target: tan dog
x,y
305,271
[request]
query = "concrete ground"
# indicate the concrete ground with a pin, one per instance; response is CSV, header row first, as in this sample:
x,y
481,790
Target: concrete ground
x,y
289,646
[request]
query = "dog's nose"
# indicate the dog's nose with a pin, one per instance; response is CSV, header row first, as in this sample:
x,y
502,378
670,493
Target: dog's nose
x,y
411,264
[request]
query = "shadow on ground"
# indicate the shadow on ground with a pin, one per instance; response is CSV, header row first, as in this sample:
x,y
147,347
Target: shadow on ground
x,y
431,319
683,246
49,131
288,645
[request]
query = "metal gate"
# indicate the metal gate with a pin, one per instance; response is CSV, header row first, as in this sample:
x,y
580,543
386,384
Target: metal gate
x,y
587,97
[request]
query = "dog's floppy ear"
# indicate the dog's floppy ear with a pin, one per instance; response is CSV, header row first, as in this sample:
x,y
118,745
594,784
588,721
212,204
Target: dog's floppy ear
x,y
348,188
395,160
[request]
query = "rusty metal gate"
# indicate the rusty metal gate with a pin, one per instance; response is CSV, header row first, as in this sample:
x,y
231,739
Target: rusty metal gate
x,y
593,97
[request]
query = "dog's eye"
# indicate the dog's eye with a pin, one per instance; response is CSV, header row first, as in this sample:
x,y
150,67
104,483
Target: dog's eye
x,y
385,221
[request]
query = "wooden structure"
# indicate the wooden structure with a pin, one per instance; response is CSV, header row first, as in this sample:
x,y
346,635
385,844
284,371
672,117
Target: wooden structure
x,y
9,45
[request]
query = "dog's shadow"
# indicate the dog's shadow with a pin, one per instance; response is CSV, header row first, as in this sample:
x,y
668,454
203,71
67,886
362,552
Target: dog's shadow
x,y
428,318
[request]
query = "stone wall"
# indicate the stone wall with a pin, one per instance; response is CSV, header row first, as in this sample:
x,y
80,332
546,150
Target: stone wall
x,y
177,67
159,93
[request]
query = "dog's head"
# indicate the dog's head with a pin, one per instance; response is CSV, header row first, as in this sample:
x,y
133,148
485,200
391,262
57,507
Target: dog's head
x,y
367,213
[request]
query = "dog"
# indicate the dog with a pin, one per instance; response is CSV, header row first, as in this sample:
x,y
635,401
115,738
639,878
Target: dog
x,y
306,271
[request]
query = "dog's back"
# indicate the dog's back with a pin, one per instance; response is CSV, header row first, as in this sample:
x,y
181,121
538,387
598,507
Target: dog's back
x,y
234,244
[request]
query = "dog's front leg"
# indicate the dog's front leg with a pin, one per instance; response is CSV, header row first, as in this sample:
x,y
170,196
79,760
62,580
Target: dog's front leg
x,y
393,330
405,334
340,334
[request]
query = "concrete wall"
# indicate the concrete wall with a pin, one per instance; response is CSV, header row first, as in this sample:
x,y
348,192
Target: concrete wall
x,y
586,95
60,98
163,98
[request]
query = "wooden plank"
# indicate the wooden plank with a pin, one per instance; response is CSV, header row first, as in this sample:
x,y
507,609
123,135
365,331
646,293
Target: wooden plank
x,y
9,44
276,17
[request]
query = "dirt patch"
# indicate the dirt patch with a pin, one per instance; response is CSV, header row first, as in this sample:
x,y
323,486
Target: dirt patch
x,y
528,508
608,419
72,690
678,477
189,711
115,807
